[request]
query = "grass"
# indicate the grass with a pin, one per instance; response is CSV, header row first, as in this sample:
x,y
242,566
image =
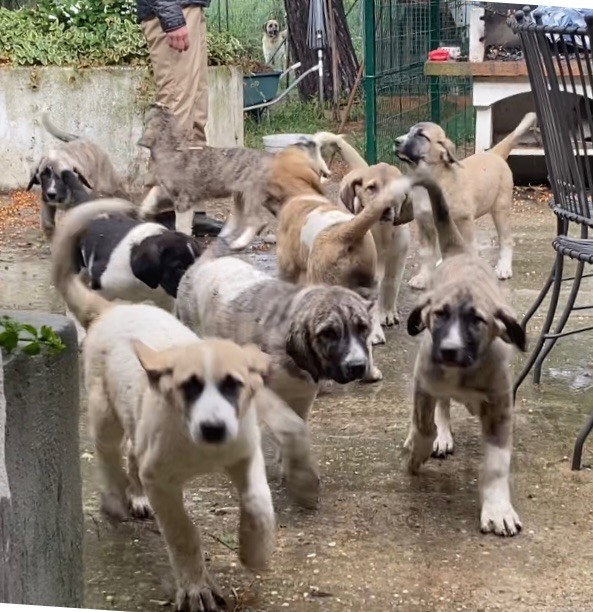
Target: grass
x,y
295,117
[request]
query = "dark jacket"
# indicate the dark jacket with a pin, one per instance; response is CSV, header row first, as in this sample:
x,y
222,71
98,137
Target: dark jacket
x,y
168,11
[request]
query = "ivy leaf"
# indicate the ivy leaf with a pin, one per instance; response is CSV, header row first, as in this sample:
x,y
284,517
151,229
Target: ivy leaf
x,y
33,348
9,339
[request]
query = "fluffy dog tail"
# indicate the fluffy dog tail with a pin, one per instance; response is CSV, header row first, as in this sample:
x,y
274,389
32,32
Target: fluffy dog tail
x,y
86,305
56,131
450,240
507,144
338,144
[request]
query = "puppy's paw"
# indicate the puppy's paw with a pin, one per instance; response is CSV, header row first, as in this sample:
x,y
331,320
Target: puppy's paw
x,y
389,318
269,238
257,535
503,271
115,506
500,517
199,597
303,484
325,387
377,336
140,508
419,449
374,375
418,282
443,445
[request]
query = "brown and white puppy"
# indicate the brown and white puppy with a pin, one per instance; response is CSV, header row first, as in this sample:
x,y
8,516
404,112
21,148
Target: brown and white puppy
x,y
464,355
184,406
274,45
391,236
479,184
191,174
320,243
80,156
312,333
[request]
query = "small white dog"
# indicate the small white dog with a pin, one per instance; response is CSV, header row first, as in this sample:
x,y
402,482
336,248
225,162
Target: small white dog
x,y
274,44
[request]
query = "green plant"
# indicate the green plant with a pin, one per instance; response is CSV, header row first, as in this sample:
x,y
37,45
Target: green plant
x,y
15,332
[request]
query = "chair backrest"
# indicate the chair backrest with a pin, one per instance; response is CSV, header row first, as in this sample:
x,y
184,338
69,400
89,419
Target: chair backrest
x,y
560,67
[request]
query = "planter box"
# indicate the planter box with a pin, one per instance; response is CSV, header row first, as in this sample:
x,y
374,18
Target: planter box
x,y
103,104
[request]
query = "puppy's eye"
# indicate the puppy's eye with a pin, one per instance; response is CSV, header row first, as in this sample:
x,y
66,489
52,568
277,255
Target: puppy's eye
x,y
329,334
192,389
230,388
441,313
423,135
372,187
362,329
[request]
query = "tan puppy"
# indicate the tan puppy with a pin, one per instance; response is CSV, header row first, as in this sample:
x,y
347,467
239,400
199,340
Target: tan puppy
x,y
464,355
480,184
320,244
184,406
391,236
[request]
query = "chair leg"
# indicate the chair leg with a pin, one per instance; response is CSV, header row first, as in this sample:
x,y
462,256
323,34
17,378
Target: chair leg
x,y
558,268
540,298
550,342
578,446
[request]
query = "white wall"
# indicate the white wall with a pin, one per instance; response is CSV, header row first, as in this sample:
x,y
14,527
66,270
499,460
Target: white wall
x,y
103,104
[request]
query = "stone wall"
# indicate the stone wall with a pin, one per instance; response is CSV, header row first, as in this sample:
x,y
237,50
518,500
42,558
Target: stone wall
x,y
103,104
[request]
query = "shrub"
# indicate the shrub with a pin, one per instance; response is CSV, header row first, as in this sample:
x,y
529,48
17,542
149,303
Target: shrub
x,y
88,33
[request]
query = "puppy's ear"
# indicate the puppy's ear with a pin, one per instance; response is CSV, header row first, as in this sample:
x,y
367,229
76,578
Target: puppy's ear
x,y
448,155
154,363
82,178
34,180
350,183
299,349
418,318
264,27
145,261
510,330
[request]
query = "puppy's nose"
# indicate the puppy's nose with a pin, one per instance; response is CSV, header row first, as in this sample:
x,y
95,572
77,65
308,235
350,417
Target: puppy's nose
x,y
214,433
51,196
398,142
453,356
355,370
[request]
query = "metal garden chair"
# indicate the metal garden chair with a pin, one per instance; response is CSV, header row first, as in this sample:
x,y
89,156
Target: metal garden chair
x,y
560,64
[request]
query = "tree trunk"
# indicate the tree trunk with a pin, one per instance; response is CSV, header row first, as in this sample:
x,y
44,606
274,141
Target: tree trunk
x,y
297,17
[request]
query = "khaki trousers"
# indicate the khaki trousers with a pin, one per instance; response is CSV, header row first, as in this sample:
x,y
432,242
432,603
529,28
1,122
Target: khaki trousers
x,y
182,77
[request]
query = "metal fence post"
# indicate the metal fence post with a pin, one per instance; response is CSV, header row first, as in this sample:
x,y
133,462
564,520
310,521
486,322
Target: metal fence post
x,y
435,41
369,82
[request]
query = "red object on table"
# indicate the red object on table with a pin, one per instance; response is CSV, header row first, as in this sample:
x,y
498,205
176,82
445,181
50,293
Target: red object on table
x,y
438,55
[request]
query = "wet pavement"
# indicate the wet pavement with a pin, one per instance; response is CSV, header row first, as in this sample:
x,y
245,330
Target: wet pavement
x,y
381,540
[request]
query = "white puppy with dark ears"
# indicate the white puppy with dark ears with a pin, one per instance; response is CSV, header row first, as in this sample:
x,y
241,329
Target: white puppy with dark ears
x,y
185,406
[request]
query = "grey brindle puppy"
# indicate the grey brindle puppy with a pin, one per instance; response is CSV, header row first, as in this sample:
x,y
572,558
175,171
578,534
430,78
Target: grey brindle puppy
x,y
190,175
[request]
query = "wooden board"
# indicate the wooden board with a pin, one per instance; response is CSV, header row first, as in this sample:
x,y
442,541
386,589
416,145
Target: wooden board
x,y
491,69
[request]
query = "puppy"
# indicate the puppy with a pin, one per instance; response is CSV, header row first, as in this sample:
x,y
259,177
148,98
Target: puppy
x,y
480,184
274,45
391,236
184,406
189,175
319,243
79,156
127,259
312,333
464,355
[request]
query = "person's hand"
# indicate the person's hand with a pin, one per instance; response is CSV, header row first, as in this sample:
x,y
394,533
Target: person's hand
x,y
179,39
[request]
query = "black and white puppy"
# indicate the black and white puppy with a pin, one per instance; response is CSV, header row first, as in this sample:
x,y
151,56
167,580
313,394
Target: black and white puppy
x,y
136,261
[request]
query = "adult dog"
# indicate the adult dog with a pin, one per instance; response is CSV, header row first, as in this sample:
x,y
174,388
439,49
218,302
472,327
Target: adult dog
x,y
480,184
465,356
183,405
319,243
80,156
255,179
312,333
274,44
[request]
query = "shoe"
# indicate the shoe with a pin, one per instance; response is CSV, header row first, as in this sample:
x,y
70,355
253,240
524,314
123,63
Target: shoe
x,y
205,226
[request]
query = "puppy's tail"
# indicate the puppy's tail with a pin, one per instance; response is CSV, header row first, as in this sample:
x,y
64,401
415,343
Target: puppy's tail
x,y
507,144
450,240
85,304
56,131
336,141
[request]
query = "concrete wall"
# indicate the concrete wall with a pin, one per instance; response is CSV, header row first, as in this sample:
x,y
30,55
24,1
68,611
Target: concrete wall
x,y
41,524
103,104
